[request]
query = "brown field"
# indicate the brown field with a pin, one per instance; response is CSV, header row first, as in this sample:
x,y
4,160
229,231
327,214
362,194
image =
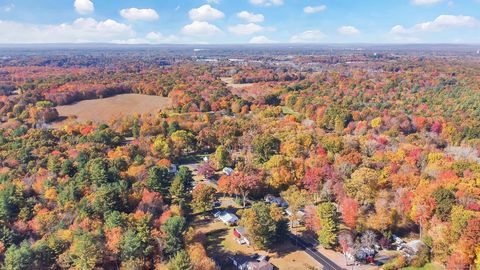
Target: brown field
x,y
105,109
230,83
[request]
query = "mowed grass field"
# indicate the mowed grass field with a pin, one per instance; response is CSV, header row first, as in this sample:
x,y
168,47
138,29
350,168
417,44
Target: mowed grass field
x,y
105,109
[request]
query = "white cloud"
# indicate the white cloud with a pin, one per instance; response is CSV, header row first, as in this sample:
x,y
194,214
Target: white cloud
x,y
310,36
156,37
81,30
251,17
213,1
348,30
205,13
261,40
248,29
317,9
267,3
199,29
441,23
84,6
426,2
135,14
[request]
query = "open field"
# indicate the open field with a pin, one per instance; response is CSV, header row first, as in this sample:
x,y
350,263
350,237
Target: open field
x,y
248,90
221,244
230,83
105,109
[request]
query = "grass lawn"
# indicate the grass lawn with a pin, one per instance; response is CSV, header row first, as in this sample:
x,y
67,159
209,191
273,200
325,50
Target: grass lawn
x,y
287,110
221,244
428,266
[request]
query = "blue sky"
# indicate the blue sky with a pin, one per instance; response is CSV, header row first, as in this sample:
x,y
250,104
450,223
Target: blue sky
x,y
240,21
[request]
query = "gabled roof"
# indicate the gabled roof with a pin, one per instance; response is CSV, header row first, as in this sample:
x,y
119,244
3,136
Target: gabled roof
x,y
228,217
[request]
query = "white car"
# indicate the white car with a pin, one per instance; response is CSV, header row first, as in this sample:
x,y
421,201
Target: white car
x,y
217,214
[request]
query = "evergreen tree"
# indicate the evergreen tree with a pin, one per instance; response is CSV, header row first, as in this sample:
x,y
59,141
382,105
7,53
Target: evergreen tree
x,y
136,128
178,190
158,179
174,228
327,213
84,252
174,126
98,170
67,168
221,157
181,261
18,257
445,199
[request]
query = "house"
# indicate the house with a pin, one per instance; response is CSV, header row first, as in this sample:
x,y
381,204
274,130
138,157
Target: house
x,y
228,218
365,255
414,247
241,236
299,215
276,200
173,169
259,265
253,262
227,171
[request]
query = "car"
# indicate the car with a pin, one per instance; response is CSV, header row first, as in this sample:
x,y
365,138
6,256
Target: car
x,y
255,256
217,214
263,258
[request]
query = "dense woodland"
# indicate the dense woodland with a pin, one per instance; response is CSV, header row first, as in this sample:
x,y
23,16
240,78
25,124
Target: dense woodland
x,y
369,146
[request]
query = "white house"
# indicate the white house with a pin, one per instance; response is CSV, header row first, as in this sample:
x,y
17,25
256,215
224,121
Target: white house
x,y
228,218
227,171
276,200
243,262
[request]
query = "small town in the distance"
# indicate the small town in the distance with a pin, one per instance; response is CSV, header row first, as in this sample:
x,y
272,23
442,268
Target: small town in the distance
x,y
239,134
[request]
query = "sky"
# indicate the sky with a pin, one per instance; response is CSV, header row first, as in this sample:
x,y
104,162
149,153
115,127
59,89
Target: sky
x,y
239,21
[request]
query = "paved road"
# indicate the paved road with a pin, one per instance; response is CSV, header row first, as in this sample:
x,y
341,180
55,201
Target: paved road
x,y
313,252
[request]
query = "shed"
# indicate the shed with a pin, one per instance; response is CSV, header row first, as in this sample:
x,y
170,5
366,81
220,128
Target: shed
x,y
241,235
